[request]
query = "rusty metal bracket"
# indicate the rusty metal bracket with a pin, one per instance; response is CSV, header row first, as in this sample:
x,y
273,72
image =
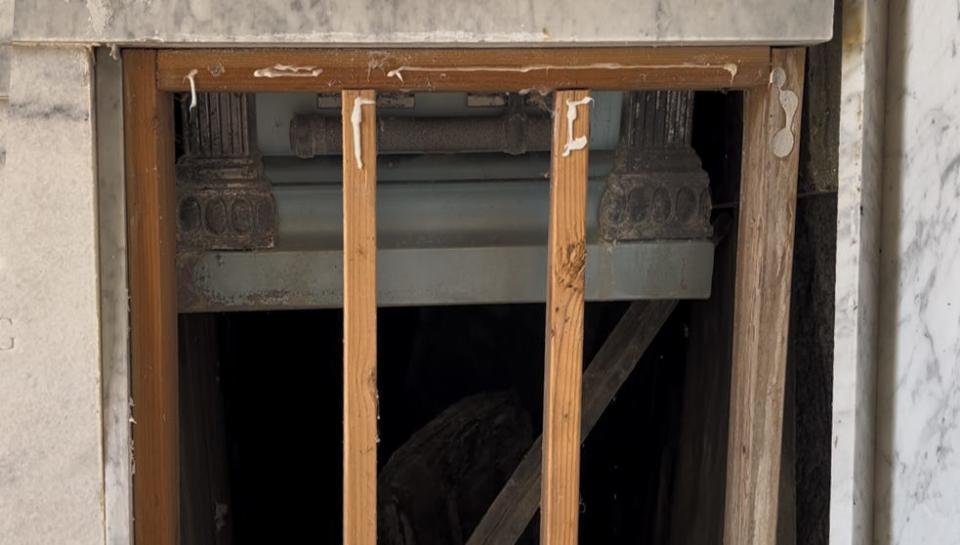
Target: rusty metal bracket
x,y
657,188
224,201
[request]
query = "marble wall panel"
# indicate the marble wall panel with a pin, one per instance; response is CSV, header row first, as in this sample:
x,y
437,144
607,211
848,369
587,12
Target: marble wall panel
x,y
917,493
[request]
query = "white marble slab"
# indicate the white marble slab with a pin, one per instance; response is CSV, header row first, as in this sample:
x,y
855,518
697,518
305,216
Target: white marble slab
x,y
918,409
458,22
51,470
857,278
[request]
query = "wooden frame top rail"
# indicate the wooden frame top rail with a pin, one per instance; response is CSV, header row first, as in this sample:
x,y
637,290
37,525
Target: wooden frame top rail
x,y
521,69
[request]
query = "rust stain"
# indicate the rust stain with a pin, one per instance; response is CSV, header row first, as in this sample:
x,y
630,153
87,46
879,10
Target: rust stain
x,y
853,30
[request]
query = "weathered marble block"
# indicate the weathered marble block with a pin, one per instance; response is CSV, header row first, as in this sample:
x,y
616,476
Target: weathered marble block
x,y
459,22
51,458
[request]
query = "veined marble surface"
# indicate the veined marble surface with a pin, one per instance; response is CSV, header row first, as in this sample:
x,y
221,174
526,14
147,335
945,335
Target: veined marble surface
x,y
457,22
857,278
918,409
51,458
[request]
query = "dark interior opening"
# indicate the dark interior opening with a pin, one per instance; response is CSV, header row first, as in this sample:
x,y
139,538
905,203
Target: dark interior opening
x,y
278,378
261,407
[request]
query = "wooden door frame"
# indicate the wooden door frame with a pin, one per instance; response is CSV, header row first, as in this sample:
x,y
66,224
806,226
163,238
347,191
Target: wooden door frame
x,y
772,81
151,257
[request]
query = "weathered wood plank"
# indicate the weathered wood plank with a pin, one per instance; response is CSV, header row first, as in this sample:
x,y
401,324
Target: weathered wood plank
x,y
359,319
519,499
566,259
148,140
500,69
762,301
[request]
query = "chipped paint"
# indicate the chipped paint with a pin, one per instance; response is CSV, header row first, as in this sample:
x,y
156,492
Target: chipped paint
x,y
784,140
574,143
287,71
101,14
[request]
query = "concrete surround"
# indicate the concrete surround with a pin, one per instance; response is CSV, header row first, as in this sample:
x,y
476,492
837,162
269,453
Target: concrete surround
x,y
51,453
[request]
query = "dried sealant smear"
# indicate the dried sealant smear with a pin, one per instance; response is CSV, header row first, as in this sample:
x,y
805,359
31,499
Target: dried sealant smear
x,y
730,68
574,143
287,71
356,116
191,77
783,140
